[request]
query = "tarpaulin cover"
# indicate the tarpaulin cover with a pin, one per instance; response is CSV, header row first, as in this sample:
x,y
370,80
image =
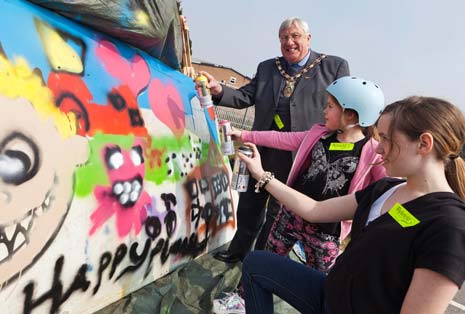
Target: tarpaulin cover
x,y
151,25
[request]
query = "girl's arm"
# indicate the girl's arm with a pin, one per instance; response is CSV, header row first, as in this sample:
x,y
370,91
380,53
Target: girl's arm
x,y
331,210
429,293
289,141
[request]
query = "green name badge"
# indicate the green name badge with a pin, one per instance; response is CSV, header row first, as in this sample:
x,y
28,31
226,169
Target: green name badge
x,y
341,146
403,216
278,121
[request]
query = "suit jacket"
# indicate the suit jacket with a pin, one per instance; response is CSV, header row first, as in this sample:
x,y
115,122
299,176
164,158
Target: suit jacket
x,y
306,103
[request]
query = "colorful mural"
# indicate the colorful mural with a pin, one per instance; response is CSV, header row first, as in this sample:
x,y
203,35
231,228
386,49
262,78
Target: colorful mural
x,y
110,171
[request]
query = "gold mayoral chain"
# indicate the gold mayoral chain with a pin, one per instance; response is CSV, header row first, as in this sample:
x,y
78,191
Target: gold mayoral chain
x,y
291,80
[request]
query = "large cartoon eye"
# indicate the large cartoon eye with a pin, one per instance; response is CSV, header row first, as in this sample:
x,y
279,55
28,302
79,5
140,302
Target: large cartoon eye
x,y
136,155
19,159
113,157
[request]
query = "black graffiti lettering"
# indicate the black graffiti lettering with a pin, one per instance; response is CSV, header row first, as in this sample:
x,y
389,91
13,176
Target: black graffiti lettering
x,y
55,294
80,282
153,253
204,185
224,181
196,211
105,260
170,218
178,245
170,222
207,212
155,245
195,247
196,208
153,227
225,210
220,184
192,188
216,185
218,208
169,198
165,252
119,255
195,214
136,258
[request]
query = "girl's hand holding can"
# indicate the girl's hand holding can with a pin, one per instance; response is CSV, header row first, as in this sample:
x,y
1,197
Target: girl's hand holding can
x,y
254,163
235,134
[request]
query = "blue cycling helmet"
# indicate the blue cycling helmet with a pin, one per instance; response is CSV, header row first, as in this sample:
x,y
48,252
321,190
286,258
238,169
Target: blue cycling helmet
x,y
358,94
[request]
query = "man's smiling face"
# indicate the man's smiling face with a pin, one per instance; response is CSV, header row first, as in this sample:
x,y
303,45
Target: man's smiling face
x,y
295,43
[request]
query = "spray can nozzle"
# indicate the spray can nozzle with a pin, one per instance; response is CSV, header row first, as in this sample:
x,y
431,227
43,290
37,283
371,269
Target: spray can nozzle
x,y
201,82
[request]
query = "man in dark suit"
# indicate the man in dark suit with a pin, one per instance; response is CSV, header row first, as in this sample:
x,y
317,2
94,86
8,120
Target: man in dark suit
x,y
289,94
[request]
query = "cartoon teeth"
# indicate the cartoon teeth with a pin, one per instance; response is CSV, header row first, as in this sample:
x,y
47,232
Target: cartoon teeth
x,y
9,231
16,234
128,192
26,223
13,236
19,240
3,251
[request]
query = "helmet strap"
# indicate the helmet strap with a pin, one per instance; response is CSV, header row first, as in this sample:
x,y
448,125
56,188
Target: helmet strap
x,y
346,127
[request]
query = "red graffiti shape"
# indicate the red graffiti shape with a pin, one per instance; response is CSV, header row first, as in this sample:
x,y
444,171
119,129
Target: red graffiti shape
x,y
121,114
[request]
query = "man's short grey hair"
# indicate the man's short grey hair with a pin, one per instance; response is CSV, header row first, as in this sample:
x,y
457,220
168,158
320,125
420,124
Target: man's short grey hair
x,y
297,21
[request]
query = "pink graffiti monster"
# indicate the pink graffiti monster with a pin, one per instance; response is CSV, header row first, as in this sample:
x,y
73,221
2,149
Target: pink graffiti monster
x,y
125,198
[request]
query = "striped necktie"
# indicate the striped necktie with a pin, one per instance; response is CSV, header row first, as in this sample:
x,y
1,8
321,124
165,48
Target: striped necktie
x,y
293,69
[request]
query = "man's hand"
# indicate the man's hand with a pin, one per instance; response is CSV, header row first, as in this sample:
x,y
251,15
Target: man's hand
x,y
214,86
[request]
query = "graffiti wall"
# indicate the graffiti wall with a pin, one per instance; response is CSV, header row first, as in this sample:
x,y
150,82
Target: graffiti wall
x,y
110,172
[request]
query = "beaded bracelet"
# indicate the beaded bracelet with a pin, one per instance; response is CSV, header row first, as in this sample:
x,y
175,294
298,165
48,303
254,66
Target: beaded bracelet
x,y
260,185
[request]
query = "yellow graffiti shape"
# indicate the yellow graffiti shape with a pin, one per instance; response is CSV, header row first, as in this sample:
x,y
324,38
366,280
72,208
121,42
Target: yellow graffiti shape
x,y
62,57
141,18
18,80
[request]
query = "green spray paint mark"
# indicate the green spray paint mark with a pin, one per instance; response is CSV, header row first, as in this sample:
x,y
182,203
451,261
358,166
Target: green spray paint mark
x,y
179,156
94,172
167,159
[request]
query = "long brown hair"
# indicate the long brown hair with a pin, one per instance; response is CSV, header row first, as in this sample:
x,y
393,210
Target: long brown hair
x,y
416,115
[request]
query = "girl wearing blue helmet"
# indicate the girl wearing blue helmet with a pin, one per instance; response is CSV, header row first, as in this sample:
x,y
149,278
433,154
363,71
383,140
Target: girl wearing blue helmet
x,y
333,159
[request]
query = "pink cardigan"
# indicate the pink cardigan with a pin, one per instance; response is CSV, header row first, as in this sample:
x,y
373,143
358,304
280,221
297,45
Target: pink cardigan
x,y
369,168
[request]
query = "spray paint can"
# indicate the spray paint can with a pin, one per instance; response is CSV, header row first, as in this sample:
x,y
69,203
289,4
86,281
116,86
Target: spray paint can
x,y
240,176
203,91
227,144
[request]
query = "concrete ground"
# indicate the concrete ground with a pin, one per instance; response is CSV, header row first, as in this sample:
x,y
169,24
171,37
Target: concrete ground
x,y
192,288
457,306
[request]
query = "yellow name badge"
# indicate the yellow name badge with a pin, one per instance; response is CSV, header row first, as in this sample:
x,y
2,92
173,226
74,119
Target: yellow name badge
x,y
341,146
278,121
403,216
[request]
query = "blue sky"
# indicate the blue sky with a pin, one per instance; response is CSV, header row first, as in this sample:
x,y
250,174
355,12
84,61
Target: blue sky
x,y
407,46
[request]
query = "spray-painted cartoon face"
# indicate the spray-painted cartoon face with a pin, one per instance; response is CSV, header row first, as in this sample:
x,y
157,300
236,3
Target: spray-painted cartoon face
x,y
125,197
36,183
